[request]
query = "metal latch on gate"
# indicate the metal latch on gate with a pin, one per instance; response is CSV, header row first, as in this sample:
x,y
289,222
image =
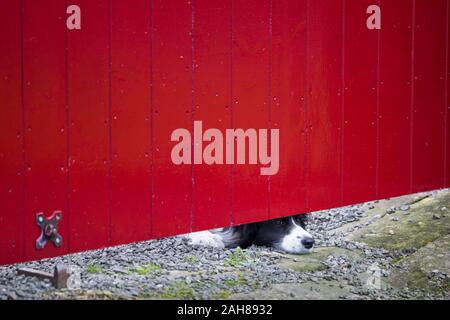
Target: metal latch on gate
x,y
49,229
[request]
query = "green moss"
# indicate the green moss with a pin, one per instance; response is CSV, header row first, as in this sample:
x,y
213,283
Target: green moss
x,y
145,269
231,282
417,270
94,268
236,282
413,230
418,234
397,260
304,266
178,290
237,258
256,286
417,278
315,261
223,294
191,259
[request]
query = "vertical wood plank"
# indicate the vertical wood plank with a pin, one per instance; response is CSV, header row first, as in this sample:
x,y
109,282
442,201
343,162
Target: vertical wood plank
x,y
131,130
447,79
212,82
288,194
88,90
395,98
250,89
360,108
172,109
11,134
429,95
324,74
46,120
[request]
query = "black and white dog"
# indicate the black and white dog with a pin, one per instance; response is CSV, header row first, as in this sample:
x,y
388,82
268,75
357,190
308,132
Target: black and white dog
x,y
285,234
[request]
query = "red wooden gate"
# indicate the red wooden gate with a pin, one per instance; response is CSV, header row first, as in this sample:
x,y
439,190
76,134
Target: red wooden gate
x,y
86,115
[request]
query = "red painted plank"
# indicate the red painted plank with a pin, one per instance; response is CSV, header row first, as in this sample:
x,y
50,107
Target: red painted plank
x,y
172,109
288,194
46,120
212,81
88,89
250,90
325,103
11,135
131,121
395,98
360,105
429,95
447,165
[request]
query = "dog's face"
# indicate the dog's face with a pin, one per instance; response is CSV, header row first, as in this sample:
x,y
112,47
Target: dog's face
x,y
286,234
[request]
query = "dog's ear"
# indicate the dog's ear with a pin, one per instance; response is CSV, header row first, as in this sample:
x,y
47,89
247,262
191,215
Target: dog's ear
x,y
302,219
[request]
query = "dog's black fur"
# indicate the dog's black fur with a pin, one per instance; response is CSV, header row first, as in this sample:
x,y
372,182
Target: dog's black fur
x,y
265,233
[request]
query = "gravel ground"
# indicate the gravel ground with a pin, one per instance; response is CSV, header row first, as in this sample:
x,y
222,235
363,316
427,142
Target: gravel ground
x,y
171,268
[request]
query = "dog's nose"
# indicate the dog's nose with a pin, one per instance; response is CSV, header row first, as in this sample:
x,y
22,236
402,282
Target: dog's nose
x,y
308,243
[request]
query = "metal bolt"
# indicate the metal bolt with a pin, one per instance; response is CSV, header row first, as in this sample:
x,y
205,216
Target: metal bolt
x,y
59,278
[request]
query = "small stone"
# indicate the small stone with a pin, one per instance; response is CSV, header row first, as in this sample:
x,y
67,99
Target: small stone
x,y
405,207
391,232
12,295
395,219
436,217
444,209
391,210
